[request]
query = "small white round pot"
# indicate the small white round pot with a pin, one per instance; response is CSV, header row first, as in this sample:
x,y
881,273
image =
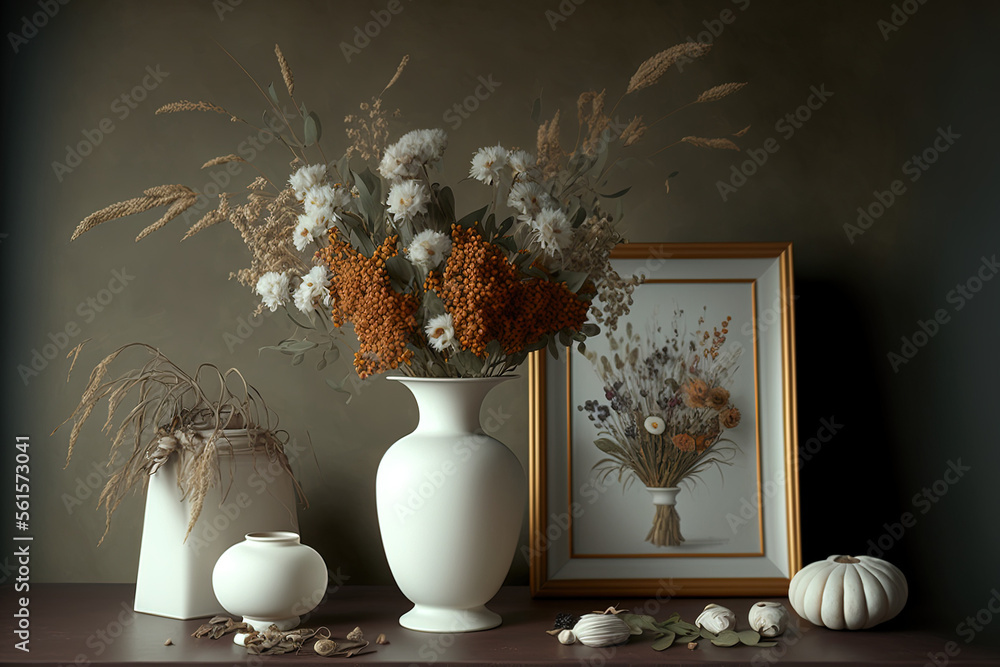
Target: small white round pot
x,y
269,579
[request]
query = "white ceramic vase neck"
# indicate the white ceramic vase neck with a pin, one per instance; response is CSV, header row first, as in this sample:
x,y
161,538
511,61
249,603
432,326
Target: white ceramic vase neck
x,y
443,409
450,504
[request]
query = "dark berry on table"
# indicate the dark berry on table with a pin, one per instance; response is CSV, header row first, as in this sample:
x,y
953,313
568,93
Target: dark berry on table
x,y
566,621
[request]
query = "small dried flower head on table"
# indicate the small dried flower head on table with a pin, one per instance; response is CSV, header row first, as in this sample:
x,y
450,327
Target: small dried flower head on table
x,y
273,641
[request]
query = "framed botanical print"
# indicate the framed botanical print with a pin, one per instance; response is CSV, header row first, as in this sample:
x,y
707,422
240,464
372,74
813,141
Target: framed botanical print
x,y
663,458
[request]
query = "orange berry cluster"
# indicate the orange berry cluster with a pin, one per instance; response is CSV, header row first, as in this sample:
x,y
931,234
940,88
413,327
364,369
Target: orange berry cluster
x,y
383,319
489,299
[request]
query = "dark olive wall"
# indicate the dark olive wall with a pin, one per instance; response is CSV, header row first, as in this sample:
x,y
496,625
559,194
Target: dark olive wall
x,y
883,90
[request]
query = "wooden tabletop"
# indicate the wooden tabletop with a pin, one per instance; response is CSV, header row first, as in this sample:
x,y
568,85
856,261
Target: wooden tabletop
x,y
93,624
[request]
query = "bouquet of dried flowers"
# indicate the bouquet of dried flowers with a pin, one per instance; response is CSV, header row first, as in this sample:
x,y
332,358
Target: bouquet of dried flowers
x,y
430,290
666,409
174,414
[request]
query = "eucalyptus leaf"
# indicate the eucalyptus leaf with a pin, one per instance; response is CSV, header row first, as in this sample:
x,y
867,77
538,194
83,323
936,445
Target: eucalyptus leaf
x,y
620,193
727,638
400,269
574,279
505,226
664,642
471,219
611,447
339,388
321,364
312,129
707,635
343,168
298,358
273,94
749,637
590,329
553,347
506,242
766,644
632,621
447,199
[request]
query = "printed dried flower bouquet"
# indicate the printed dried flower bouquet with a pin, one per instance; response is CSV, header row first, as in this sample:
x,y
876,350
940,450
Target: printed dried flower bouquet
x,y
665,411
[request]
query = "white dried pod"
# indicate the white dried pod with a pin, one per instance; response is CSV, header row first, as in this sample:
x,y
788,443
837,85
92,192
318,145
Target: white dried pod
x,y
770,619
597,630
567,637
716,619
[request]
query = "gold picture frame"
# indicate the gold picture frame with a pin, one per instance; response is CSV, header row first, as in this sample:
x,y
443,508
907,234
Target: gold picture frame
x,y
757,277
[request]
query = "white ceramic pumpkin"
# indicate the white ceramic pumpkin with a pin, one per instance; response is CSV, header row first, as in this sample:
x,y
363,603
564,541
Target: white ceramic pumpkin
x,y
848,592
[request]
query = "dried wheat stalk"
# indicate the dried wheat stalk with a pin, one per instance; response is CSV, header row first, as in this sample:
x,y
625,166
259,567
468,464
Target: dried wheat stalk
x,y
286,71
174,407
187,105
655,67
718,92
399,72
703,142
161,195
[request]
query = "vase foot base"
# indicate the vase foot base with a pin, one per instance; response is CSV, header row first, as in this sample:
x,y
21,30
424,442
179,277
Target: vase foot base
x,y
447,620
263,624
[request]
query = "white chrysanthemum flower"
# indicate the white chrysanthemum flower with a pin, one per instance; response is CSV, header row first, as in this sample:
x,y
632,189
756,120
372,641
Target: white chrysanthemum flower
x,y
427,146
521,162
309,228
397,164
306,178
441,332
529,198
487,164
413,151
654,425
407,199
552,230
312,287
429,248
272,287
327,199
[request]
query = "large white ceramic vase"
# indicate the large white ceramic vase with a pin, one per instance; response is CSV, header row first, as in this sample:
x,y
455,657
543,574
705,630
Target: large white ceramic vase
x,y
450,504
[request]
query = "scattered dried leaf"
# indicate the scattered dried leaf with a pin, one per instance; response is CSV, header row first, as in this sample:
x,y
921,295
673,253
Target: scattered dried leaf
x,y
169,642
356,635
381,639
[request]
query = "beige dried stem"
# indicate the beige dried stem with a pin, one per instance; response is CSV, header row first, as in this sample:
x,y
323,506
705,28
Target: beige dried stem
x,y
173,413
368,131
